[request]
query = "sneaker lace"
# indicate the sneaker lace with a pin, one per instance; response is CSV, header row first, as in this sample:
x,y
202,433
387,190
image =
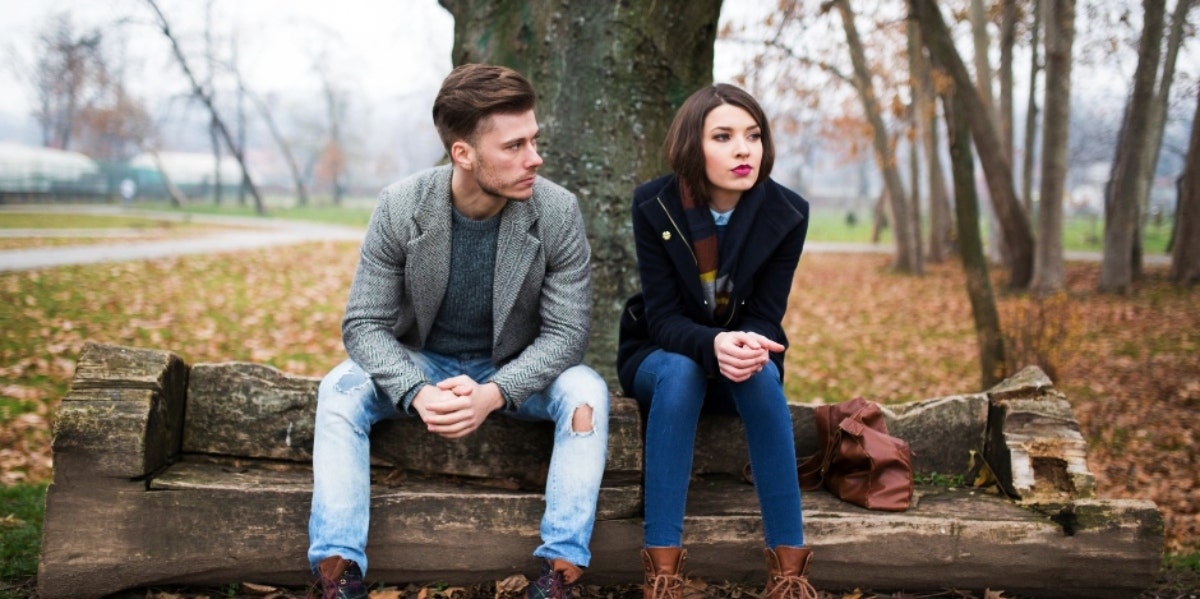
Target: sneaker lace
x,y
791,587
551,585
325,588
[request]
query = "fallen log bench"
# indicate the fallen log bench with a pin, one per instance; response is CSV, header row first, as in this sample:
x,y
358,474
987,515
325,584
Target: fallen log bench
x,y
170,474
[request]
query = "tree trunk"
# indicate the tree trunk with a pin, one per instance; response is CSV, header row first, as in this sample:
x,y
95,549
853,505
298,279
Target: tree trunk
x,y
609,78
940,221
1185,255
1014,221
879,216
970,244
1048,275
1121,208
908,255
199,92
1031,111
284,147
1158,117
334,111
1008,38
214,138
982,43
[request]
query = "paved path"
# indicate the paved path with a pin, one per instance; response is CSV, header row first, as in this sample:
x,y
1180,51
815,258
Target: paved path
x,y
245,233
255,232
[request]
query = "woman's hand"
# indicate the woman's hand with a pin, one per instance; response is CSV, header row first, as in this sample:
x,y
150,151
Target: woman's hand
x,y
741,354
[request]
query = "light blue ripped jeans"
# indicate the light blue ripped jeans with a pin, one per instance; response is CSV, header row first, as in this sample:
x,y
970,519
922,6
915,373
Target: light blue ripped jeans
x,y
347,407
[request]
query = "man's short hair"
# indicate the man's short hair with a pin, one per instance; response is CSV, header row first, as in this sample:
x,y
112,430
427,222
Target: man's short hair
x,y
473,92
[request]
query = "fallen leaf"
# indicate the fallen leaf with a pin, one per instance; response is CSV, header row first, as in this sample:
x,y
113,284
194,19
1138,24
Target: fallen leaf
x,y
510,586
257,589
387,593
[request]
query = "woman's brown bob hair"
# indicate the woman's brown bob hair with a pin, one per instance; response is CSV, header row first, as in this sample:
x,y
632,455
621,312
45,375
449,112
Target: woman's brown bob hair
x,y
473,92
684,147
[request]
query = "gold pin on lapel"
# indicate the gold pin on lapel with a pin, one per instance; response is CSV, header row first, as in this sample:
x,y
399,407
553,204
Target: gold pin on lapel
x,y
666,236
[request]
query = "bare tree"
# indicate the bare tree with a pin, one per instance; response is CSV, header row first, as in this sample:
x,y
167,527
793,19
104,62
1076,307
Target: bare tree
x,y
210,57
115,127
199,92
1121,214
285,147
1158,114
1008,39
1185,254
64,78
982,42
908,252
940,221
1031,109
1014,221
1048,274
970,245
334,157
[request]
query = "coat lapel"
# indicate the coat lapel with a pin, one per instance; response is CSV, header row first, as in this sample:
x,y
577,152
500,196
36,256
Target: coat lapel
x,y
667,215
515,251
761,221
427,264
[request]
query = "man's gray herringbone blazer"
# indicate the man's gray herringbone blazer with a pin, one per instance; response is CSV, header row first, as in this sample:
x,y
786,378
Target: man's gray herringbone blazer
x,y
541,302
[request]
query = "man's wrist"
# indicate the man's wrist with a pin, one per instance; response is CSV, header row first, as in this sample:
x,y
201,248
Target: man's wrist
x,y
500,401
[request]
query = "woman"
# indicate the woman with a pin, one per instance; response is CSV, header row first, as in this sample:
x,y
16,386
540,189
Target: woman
x,y
717,245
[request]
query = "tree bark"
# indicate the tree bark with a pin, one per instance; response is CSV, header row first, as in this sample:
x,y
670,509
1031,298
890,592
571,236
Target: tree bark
x,y
609,78
1031,110
983,66
1185,255
199,92
1158,116
1014,221
908,255
1121,210
970,244
940,221
1048,274
1008,38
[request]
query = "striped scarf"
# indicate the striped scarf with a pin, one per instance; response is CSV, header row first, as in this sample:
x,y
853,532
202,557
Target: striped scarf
x,y
714,276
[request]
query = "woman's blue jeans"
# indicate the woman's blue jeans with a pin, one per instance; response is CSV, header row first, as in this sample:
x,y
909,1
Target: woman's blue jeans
x,y
673,387
348,405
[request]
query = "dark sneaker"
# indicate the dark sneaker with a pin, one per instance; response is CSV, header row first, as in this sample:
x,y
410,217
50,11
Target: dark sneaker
x,y
339,578
552,582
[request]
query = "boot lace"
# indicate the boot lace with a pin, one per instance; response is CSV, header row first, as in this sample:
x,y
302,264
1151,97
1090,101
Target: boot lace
x,y
791,587
666,586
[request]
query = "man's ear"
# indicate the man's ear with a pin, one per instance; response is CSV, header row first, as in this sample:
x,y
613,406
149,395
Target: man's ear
x,y
462,154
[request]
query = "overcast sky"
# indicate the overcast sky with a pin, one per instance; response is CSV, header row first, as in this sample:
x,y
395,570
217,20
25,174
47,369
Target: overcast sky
x,y
382,48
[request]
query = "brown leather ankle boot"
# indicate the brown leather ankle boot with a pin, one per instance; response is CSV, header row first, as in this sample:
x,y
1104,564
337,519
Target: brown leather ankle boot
x,y
663,566
787,573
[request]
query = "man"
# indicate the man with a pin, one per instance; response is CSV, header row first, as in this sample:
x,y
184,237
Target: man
x,y
472,295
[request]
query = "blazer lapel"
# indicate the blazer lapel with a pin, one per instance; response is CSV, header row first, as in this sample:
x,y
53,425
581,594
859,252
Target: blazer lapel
x,y
515,250
427,263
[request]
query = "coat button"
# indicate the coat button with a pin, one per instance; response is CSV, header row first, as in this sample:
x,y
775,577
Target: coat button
x,y
666,236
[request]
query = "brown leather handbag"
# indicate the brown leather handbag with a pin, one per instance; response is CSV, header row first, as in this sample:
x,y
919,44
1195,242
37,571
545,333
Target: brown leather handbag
x,y
857,460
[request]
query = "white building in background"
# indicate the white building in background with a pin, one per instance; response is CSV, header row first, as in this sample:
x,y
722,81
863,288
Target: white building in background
x,y
31,171
193,173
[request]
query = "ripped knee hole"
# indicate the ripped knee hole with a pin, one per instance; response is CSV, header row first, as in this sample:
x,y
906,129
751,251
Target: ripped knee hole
x,y
581,421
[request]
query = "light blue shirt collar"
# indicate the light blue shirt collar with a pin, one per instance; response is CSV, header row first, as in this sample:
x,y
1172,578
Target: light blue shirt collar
x,y
721,218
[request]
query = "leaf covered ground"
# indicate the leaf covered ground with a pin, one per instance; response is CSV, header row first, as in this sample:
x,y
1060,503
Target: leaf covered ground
x,y
1129,365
